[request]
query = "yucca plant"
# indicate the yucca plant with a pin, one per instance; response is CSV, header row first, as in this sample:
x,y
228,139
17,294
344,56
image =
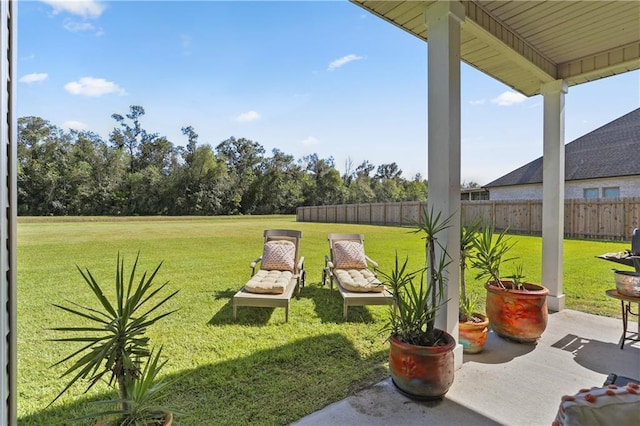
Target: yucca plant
x,y
114,343
489,255
468,236
418,295
142,406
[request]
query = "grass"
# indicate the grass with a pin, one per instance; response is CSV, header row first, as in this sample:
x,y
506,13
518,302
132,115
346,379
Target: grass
x,y
259,370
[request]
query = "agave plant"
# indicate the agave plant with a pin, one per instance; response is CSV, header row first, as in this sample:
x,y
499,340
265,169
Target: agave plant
x,y
114,343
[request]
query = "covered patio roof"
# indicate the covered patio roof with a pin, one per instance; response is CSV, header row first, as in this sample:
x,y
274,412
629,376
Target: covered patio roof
x,y
534,47
525,44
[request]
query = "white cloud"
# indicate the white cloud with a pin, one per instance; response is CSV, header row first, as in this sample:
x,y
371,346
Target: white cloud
x,y
84,8
74,125
248,116
311,140
343,61
89,86
477,102
34,77
75,26
509,98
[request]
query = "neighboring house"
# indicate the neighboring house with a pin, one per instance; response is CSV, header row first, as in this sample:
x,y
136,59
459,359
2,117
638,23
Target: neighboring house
x,y
602,164
474,194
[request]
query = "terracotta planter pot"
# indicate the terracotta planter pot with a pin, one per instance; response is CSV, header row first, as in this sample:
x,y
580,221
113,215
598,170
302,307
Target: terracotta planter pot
x,y
422,372
518,315
473,335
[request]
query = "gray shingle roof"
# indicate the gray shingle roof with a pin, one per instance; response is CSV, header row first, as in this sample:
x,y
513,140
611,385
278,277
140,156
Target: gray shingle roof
x,y
609,151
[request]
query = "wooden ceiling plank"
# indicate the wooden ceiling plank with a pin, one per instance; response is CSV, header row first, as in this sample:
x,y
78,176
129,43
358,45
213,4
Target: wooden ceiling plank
x,y
586,36
506,10
558,21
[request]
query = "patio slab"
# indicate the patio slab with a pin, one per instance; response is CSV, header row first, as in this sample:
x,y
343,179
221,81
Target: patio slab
x,y
508,383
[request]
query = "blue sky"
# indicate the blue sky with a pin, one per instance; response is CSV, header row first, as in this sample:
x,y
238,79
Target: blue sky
x,y
304,77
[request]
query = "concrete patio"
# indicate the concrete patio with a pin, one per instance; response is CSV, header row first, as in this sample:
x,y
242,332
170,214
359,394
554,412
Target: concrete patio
x,y
508,383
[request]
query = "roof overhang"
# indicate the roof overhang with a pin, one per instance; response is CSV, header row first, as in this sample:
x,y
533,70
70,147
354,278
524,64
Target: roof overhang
x,y
525,44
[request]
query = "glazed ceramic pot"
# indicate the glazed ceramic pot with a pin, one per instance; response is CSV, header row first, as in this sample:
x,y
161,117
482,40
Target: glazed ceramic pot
x,y
519,315
422,372
473,335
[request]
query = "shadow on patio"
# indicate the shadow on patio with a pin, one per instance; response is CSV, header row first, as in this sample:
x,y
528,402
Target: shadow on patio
x,y
508,383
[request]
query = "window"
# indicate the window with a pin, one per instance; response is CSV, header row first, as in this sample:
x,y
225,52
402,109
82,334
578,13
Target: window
x,y
612,192
591,193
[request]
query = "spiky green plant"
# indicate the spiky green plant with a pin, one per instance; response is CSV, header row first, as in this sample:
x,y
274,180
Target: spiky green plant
x,y
518,277
413,317
468,236
142,406
114,342
490,254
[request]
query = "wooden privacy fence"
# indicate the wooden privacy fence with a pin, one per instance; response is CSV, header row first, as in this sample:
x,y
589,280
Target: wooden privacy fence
x,y
606,219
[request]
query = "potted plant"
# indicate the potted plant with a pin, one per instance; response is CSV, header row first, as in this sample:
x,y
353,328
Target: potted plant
x,y
114,346
420,355
473,326
141,407
517,310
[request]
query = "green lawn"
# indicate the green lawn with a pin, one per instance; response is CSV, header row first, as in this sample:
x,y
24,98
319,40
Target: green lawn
x,y
259,370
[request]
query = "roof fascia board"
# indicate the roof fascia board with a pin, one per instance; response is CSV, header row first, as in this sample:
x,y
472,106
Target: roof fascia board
x,y
614,61
485,27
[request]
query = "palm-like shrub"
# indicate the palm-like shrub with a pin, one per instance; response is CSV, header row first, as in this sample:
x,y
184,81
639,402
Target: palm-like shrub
x,y
142,406
114,342
418,295
490,254
468,236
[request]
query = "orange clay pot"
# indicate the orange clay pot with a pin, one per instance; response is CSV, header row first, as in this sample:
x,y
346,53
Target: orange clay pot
x,y
519,315
422,372
473,335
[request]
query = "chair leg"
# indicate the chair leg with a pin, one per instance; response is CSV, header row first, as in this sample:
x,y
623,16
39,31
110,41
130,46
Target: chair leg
x,y
344,310
286,313
235,311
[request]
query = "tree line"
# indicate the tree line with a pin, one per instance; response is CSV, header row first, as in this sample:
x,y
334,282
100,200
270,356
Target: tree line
x,y
137,172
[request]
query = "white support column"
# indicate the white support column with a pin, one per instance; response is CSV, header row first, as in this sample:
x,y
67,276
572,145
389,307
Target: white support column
x,y
553,192
8,213
443,21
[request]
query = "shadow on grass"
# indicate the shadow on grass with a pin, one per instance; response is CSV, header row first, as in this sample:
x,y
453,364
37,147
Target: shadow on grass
x,y
273,386
247,315
328,305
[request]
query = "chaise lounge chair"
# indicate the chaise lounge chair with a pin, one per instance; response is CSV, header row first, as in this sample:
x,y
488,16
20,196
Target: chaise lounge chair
x,y
281,273
348,266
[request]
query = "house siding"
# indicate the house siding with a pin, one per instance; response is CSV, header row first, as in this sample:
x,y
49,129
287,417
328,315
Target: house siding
x,y
629,187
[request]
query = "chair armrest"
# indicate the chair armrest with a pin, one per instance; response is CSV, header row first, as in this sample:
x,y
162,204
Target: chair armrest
x,y
371,261
254,264
300,265
327,262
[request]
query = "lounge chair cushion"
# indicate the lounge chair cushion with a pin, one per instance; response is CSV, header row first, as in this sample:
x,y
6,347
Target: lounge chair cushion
x,y
349,255
359,280
278,255
274,282
611,405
